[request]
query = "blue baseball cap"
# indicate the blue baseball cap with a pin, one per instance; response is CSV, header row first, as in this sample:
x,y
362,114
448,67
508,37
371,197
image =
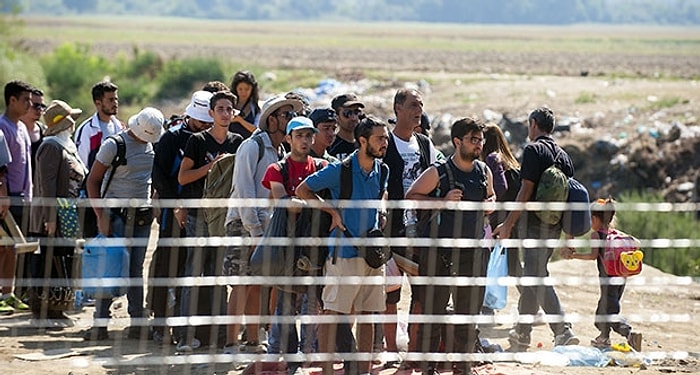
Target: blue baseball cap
x,y
299,123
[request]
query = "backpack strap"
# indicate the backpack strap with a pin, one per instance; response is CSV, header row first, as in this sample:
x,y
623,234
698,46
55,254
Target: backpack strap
x,y
346,179
119,158
261,146
424,147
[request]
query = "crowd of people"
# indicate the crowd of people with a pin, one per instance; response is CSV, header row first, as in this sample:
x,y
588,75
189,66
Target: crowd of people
x,y
285,151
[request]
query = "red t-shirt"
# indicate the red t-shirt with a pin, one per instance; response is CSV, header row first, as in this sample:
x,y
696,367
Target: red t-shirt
x,y
297,172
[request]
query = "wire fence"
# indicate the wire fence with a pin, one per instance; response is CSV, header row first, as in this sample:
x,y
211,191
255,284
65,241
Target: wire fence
x,y
166,359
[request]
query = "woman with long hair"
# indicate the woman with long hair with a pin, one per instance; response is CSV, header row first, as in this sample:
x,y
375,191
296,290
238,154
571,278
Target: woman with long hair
x,y
245,87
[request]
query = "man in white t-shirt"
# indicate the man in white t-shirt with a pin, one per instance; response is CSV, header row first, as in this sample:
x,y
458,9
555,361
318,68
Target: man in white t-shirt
x,y
408,155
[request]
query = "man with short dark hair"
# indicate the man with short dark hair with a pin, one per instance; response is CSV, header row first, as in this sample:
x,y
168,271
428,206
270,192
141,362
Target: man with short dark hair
x,y
202,151
539,155
344,260
462,177
18,177
349,110
93,131
32,120
326,121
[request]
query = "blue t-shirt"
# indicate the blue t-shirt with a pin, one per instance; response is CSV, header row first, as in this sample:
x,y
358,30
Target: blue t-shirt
x,y
365,186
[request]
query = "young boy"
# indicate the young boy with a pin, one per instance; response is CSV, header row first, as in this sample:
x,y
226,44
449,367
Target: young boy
x,y
602,221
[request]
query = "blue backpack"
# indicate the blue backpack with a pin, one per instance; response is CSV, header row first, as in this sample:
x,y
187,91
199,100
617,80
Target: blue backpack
x,y
577,221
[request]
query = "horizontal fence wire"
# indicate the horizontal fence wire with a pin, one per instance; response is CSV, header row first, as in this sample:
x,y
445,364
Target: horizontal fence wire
x,y
158,359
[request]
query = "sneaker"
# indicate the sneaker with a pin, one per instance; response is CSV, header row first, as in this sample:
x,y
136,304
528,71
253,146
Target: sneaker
x,y
518,341
252,348
16,303
566,338
5,308
601,342
183,347
96,334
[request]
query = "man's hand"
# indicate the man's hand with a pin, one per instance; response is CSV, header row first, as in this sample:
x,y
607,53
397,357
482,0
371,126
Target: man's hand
x,y
103,225
454,195
181,217
502,231
50,228
337,221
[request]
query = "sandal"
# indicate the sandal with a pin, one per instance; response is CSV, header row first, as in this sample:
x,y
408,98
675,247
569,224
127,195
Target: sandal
x,y
601,342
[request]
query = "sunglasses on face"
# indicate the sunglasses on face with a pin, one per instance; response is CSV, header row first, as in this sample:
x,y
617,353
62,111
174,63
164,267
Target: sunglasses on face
x,y
287,115
350,112
39,106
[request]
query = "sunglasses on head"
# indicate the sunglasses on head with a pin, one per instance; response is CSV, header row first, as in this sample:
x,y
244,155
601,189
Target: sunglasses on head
x,y
350,112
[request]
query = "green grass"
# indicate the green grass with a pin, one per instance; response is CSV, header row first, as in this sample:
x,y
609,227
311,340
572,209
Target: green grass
x,y
666,102
400,36
585,98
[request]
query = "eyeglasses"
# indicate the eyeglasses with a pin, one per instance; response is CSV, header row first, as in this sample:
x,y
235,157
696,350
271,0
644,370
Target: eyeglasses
x,y
476,140
287,115
39,106
349,112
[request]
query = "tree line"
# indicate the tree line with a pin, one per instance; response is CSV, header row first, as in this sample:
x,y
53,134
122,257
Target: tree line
x,y
543,12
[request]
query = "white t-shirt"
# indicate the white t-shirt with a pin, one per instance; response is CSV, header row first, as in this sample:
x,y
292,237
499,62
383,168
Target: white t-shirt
x,y
410,153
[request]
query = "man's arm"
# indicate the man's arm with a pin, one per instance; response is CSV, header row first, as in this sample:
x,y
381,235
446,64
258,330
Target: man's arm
x,y
304,192
94,184
188,174
426,183
503,231
246,186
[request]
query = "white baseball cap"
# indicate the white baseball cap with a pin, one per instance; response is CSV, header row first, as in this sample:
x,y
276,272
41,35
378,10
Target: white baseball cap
x,y
147,125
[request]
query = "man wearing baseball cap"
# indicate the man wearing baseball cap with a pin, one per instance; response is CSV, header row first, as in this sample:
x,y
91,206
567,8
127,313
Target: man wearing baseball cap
x,y
349,110
326,121
168,156
298,164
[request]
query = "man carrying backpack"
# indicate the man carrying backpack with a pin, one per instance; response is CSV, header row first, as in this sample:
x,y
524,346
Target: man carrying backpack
x,y
462,177
129,178
202,152
282,179
367,183
538,156
254,156
169,261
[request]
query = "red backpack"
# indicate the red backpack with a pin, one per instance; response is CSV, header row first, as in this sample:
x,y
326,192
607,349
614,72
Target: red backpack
x,y
622,256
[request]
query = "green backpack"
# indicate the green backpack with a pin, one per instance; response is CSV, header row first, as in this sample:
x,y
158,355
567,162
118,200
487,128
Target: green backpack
x,y
553,187
218,184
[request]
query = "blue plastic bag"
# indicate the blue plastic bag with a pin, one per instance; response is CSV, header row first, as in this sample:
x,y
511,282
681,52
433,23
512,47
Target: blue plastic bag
x,y
104,262
496,295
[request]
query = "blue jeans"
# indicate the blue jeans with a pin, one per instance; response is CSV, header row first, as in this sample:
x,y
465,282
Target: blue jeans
x,y
137,255
284,338
535,265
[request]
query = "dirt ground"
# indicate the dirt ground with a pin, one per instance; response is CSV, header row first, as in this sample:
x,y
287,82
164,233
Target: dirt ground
x,y
664,308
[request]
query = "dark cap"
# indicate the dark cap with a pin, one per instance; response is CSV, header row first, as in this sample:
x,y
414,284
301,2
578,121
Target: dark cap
x,y
320,115
346,100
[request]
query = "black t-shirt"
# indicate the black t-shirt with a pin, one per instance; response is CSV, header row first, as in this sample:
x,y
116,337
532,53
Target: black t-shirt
x,y
540,155
202,148
341,148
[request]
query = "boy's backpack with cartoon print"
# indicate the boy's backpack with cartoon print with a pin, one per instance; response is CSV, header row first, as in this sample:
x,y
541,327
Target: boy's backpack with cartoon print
x,y
622,255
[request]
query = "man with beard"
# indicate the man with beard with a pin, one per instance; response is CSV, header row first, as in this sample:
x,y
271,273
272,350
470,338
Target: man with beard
x,y
344,260
463,177
91,133
349,110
